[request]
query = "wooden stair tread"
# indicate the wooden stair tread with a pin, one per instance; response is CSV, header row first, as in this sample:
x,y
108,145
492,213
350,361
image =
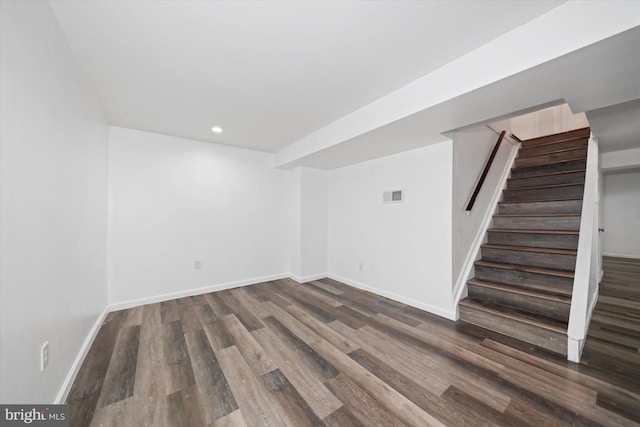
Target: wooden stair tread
x,y
541,200
530,249
538,321
563,136
541,187
546,153
536,215
531,231
549,174
551,162
523,283
520,290
526,268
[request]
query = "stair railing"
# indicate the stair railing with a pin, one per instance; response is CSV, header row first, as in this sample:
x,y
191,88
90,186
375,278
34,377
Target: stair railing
x,y
485,171
490,207
587,272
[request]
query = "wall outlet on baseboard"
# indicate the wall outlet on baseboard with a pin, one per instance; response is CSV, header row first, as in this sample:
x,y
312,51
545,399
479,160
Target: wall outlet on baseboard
x,y
44,356
197,265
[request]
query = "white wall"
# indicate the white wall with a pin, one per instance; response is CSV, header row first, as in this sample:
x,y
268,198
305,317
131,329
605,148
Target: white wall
x,y
547,121
621,160
621,214
53,184
294,222
307,224
404,248
471,150
174,201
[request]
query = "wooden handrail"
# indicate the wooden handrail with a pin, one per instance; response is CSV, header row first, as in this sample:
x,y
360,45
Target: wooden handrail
x,y
485,171
512,136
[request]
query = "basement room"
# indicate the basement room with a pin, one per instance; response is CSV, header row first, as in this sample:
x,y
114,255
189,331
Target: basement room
x,y
319,213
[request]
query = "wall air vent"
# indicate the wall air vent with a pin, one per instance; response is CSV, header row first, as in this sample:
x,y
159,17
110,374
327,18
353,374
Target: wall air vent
x,y
393,196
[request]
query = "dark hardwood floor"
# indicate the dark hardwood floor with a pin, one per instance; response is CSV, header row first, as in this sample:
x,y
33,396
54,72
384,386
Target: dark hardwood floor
x,y
323,353
612,348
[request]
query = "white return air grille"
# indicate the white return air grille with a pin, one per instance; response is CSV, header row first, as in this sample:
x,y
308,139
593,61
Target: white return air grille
x,y
393,196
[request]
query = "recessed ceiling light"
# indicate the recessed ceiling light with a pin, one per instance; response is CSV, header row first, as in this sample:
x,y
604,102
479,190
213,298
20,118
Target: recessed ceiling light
x,y
216,129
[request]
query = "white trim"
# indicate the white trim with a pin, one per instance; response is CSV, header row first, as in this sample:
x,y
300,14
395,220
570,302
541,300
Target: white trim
x,y
585,274
447,313
575,347
593,305
611,254
306,279
507,135
191,292
474,250
493,128
75,367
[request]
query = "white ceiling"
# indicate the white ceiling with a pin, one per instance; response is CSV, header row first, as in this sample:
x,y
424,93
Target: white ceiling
x,y
617,126
271,72
600,79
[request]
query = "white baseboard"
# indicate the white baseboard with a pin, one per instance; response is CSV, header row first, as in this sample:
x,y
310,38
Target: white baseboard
x,y
447,313
191,292
574,346
574,349
75,367
306,279
611,254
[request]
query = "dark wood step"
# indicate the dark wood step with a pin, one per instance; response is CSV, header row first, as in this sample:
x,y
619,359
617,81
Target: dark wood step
x,y
554,146
538,221
528,207
557,137
553,192
550,149
537,238
550,167
542,159
523,282
560,259
544,279
628,264
526,300
541,332
566,177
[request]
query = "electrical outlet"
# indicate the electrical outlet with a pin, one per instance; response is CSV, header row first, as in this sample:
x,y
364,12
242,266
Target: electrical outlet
x,y
361,266
197,265
44,356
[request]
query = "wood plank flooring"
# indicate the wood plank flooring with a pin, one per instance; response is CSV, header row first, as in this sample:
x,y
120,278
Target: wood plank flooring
x,y
325,354
612,348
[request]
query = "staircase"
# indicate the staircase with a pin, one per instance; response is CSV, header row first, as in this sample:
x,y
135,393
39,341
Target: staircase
x,y
524,279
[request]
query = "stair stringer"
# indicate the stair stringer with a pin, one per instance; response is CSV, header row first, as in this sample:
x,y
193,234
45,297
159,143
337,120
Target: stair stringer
x,y
467,271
